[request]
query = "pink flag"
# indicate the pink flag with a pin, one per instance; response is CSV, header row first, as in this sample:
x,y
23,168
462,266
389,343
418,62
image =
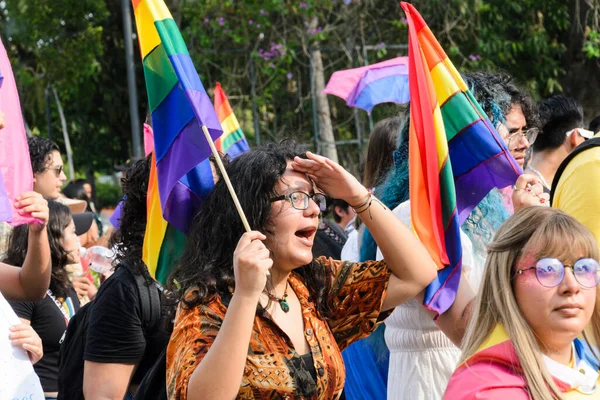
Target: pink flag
x,y
148,139
16,175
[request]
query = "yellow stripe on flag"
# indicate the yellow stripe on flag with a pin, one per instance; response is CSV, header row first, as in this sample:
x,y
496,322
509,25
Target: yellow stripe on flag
x,y
230,125
454,72
156,226
444,83
146,30
158,9
440,137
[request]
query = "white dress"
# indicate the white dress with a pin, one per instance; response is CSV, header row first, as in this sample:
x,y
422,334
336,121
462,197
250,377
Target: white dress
x,y
422,358
351,249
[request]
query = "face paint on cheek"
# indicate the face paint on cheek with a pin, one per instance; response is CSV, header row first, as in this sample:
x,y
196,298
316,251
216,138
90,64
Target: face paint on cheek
x,y
528,280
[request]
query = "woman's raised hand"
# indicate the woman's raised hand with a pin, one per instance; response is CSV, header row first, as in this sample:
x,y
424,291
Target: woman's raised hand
x,y
528,191
332,178
36,206
251,264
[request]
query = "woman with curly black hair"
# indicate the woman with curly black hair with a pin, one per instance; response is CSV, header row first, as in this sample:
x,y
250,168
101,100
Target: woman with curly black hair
x,y
121,347
260,318
50,316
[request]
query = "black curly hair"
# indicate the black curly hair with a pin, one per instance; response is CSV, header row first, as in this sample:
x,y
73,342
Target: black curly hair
x,y
40,152
205,269
60,218
128,241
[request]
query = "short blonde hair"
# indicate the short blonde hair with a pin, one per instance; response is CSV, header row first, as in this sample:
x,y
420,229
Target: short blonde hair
x,y
546,232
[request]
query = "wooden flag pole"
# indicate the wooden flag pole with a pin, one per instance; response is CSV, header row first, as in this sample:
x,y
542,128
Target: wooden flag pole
x,y
238,206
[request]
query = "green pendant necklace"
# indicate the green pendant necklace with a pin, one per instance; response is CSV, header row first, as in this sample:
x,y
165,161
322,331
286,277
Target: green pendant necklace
x,y
281,300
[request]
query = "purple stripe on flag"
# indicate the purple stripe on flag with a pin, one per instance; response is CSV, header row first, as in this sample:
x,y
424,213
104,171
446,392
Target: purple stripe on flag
x,y
187,151
440,294
181,207
469,186
373,75
192,189
392,89
5,210
205,112
115,218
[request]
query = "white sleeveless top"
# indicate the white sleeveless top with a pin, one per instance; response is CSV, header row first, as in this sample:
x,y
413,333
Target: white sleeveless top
x,y
422,358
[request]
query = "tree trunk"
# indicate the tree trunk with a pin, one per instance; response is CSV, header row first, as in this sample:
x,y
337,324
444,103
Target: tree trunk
x,y
583,75
326,138
63,122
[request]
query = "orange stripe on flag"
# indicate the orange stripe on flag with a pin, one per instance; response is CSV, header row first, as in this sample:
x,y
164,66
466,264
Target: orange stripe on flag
x,y
421,217
434,54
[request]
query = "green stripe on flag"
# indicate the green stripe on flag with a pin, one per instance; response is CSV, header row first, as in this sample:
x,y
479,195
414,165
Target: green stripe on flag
x,y
233,137
160,76
170,37
476,104
447,193
172,246
457,114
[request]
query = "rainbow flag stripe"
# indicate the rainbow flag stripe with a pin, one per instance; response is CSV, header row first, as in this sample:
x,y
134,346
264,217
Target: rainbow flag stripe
x,y
181,175
163,242
455,157
232,142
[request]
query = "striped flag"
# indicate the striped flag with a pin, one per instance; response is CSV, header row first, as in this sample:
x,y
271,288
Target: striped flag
x,y
181,174
232,142
455,157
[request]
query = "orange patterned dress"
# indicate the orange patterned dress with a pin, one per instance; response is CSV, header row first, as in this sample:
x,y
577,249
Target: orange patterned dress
x,y
271,372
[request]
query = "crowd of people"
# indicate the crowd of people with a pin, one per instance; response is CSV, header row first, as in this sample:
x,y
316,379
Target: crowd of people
x,y
323,299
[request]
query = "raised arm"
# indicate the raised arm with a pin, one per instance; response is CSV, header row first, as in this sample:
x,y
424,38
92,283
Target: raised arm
x,y
412,267
32,280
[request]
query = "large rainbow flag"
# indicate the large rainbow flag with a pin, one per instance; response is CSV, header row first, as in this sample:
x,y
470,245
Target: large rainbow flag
x,y
181,174
455,157
232,142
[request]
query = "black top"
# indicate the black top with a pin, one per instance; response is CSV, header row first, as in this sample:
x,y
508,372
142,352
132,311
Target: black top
x,y
50,325
115,331
305,375
329,240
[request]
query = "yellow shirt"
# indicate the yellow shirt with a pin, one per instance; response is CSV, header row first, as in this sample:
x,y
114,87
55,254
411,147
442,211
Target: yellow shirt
x,y
578,191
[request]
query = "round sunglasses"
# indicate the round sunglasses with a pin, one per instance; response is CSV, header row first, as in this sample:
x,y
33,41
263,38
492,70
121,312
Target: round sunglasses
x,y
550,272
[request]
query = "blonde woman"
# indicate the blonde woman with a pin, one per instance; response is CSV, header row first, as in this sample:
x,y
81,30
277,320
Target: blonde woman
x,y
538,294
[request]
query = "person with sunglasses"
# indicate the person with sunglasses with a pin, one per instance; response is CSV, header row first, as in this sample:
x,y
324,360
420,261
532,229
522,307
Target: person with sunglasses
x,y
259,316
47,165
562,131
537,296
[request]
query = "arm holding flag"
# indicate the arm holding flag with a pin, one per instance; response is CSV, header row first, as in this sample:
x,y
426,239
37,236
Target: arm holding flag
x,y
219,376
412,267
32,280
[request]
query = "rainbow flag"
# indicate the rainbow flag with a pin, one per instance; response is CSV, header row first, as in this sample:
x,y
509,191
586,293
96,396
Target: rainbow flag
x,y
232,142
181,173
455,157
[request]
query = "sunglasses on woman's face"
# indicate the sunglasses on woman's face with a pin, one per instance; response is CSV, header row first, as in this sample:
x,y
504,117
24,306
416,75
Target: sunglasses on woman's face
x,y
550,272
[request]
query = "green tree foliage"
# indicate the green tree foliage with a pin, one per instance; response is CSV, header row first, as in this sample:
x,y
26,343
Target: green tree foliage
x,y
77,47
